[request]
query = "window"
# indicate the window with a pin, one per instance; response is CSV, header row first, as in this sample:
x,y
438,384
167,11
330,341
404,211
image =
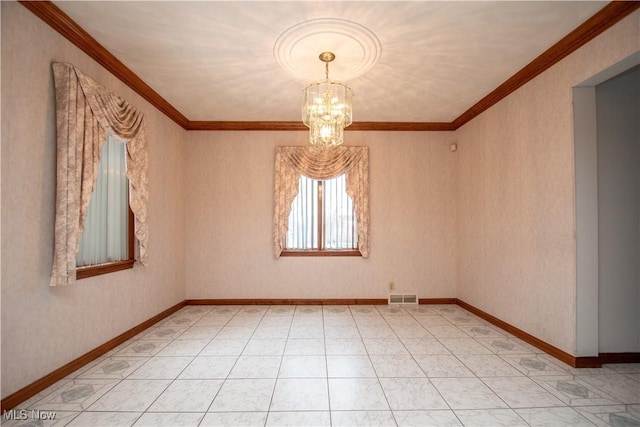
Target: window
x,y
327,219
106,244
322,220
86,112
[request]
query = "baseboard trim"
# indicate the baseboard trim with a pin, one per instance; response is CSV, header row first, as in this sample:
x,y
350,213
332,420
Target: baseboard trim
x,y
292,301
586,362
306,301
519,333
438,300
630,357
36,387
574,361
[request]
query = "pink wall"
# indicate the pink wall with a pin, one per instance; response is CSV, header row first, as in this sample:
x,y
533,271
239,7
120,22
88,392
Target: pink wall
x,y
492,224
230,213
43,328
516,203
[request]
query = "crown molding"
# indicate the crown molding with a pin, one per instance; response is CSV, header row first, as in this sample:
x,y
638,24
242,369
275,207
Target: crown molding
x,y
401,126
67,27
235,125
299,126
591,28
605,18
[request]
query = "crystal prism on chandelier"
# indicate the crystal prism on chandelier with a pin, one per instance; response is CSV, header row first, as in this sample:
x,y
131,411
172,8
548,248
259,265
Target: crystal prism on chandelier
x,y
326,108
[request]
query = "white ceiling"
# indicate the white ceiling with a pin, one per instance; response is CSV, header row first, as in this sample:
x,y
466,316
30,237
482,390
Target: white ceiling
x,y
417,61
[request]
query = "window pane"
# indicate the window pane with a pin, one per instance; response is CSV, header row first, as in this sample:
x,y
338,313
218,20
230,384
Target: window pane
x,y
340,231
303,218
104,238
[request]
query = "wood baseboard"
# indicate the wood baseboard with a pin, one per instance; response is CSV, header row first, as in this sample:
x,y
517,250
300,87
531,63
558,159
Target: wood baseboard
x,y
293,301
574,361
36,387
438,300
630,357
606,359
319,301
519,333
586,362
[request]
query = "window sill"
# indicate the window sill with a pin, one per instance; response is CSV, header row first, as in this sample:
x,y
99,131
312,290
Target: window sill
x,y
97,270
317,253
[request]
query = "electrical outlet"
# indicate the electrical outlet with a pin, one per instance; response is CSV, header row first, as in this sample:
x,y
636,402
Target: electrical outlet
x,y
392,286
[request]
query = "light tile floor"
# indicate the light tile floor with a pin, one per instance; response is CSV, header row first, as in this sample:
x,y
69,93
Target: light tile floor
x,y
421,365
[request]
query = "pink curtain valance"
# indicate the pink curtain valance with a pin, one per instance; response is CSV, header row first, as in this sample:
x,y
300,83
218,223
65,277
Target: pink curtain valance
x,y
85,113
320,163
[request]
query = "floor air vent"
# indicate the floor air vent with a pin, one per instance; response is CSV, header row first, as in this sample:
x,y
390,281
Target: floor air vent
x,y
403,299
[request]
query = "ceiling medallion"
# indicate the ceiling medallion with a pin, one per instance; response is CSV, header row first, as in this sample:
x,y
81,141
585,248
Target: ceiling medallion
x,y
297,48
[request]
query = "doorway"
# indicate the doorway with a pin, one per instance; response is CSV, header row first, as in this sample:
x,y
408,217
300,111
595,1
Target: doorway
x,y
607,157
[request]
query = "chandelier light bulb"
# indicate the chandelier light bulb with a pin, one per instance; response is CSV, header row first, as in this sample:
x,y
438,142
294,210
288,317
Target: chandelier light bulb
x,y
326,108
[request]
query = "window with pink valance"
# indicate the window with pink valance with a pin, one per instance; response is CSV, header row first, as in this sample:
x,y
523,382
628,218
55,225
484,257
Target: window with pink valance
x,y
320,163
86,113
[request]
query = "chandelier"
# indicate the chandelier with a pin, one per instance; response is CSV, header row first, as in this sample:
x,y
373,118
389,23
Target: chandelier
x,y
326,108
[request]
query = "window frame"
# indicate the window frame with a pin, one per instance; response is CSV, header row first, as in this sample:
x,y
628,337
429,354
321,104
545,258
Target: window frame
x,y
111,267
83,272
320,251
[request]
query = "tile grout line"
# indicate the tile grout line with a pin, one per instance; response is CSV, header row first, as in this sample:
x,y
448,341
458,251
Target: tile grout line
x,y
275,383
326,367
427,376
199,353
393,415
473,373
177,376
538,381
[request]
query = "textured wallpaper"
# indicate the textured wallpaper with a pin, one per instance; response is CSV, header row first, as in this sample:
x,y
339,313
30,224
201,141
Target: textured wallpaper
x,y
516,204
230,214
44,328
492,224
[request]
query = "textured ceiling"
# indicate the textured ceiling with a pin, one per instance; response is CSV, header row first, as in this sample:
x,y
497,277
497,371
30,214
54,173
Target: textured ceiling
x,y
418,61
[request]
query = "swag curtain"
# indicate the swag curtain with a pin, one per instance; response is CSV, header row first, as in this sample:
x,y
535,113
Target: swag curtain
x,y
320,163
85,113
